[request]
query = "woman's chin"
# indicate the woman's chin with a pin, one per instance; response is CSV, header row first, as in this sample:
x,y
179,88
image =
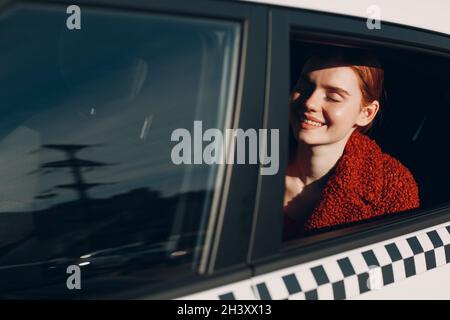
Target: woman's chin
x,y
310,139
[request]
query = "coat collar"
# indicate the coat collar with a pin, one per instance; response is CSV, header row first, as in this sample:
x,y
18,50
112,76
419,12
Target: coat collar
x,y
351,184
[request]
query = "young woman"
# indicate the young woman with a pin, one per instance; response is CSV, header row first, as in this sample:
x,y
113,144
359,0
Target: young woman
x,y
337,174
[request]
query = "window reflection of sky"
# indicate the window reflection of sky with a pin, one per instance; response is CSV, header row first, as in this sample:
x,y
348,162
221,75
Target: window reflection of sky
x,y
97,87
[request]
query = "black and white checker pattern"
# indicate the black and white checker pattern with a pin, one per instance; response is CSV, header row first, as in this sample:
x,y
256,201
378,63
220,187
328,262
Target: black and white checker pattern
x,y
344,276
369,269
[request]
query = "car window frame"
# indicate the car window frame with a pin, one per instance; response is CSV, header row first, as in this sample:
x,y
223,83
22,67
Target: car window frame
x,y
268,253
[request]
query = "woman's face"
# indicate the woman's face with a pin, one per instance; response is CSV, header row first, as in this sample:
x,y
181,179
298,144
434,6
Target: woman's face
x,y
326,105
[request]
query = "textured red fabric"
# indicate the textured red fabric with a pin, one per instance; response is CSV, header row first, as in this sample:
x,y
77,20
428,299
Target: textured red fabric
x,y
365,183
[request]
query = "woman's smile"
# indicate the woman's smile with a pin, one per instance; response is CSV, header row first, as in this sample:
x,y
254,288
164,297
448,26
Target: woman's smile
x,y
309,122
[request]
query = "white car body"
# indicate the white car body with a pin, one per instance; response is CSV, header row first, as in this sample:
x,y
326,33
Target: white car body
x,y
429,15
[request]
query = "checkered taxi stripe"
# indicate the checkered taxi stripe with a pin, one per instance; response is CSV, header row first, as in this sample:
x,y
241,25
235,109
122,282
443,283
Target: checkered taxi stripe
x,y
370,269
341,277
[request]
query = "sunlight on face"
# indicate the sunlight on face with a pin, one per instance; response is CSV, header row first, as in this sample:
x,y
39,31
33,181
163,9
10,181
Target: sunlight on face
x,y
325,105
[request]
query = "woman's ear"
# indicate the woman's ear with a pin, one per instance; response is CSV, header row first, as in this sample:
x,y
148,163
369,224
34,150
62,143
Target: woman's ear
x,y
368,113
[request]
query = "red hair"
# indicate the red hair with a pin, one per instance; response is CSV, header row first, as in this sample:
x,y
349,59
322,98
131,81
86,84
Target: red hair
x,y
371,84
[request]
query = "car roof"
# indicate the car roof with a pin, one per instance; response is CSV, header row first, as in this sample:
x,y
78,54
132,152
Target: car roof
x,y
431,15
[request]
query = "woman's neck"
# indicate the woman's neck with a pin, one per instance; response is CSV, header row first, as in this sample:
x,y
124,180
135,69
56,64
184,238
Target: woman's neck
x,y
311,163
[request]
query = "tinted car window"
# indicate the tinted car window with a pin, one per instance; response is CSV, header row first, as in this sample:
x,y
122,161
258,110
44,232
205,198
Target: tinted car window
x,y
85,149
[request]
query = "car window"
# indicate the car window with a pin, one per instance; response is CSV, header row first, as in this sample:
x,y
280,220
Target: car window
x,y
415,97
85,146
404,130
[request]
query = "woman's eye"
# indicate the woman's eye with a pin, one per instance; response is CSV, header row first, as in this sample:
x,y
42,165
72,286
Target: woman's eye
x,y
333,98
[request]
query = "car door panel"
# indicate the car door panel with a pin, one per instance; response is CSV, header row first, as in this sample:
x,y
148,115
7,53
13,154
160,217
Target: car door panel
x,y
392,266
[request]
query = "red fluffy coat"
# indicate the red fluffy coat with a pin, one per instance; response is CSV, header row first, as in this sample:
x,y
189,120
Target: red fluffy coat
x,y
365,183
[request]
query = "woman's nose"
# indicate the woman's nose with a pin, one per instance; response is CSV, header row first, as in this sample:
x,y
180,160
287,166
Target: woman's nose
x,y
312,103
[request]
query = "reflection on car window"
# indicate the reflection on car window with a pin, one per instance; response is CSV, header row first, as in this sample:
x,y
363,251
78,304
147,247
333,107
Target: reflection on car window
x,y
85,146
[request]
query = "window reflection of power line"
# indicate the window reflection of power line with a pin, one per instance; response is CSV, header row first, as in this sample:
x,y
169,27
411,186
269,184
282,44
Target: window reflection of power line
x,y
76,165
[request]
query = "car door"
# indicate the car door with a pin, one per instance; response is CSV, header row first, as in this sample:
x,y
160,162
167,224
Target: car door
x,y
93,202
401,256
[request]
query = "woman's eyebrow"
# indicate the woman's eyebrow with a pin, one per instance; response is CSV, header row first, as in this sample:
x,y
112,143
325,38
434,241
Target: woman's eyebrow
x,y
336,89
